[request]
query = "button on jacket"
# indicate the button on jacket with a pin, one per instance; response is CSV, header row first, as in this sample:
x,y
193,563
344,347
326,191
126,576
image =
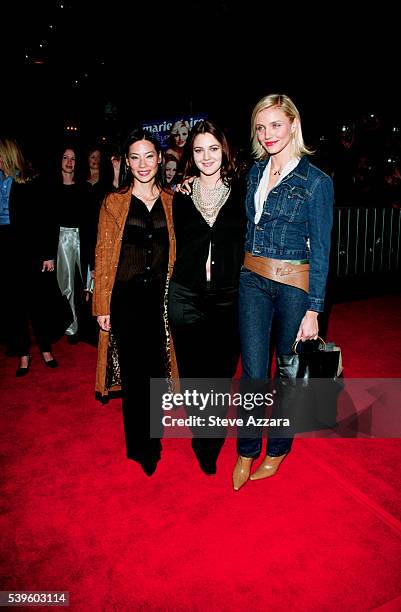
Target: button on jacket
x,y
296,222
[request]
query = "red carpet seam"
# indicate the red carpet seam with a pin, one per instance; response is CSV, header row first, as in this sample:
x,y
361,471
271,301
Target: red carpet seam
x,y
385,516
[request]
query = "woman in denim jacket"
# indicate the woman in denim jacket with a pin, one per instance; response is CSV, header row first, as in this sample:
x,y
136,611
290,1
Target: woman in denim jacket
x,y
289,206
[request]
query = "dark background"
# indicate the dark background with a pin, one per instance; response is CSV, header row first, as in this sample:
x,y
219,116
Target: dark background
x,y
106,69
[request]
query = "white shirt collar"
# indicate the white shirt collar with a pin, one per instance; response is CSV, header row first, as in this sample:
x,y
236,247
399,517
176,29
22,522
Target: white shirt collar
x,y
262,193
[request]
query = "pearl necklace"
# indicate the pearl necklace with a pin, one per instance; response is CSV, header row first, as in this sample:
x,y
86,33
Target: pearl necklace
x,y
209,201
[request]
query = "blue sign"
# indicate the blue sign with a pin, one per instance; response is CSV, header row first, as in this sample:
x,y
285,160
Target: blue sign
x,y
173,131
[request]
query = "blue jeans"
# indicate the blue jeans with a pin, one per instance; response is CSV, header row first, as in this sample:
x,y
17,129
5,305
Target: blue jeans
x,y
263,302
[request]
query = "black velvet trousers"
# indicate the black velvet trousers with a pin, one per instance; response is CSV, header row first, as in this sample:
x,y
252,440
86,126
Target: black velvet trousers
x,y
137,322
24,301
29,307
206,340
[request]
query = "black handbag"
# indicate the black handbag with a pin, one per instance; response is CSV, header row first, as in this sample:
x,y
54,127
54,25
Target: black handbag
x,y
308,384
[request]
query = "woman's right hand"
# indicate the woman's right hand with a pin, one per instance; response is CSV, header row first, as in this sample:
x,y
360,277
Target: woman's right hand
x,y
104,322
309,328
186,186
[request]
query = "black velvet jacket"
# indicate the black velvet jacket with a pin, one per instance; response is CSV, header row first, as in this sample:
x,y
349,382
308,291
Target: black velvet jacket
x,y
72,206
193,237
35,236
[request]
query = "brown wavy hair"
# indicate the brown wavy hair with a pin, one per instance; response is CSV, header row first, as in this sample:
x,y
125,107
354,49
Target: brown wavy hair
x,y
227,163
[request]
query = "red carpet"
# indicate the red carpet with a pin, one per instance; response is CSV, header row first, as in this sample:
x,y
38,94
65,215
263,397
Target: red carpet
x,y
323,535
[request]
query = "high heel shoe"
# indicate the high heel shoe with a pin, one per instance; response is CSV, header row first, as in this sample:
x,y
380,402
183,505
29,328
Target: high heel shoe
x,y
23,370
268,467
51,363
241,471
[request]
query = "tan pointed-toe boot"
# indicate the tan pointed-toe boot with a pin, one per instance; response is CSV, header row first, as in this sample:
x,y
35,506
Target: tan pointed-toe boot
x,y
241,471
268,467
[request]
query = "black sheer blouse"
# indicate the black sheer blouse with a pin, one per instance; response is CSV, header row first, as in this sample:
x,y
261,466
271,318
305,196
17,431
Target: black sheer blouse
x,y
145,245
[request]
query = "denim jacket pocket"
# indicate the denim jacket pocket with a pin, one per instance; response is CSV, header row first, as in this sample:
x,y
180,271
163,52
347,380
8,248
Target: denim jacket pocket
x,y
290,202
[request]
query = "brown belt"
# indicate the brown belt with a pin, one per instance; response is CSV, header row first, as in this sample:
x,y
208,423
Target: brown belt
x,y
296,275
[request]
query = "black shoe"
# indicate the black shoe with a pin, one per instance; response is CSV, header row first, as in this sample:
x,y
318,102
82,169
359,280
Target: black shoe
x,y
149,465
52,363
208,466
206,462
147,460
23,371
73,339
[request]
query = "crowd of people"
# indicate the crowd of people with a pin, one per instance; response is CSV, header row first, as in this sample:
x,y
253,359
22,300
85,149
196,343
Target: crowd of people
x,y
188,258
363,157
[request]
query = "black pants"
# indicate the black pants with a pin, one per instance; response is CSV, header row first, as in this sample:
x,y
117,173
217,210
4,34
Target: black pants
x,y
137,323
23,301
206,341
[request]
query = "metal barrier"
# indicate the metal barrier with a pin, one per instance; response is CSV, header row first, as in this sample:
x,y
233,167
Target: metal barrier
x,y
365,242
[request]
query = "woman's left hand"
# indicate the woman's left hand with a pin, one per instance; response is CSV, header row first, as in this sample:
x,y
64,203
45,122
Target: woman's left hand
x,y
48,265
309,328
186,186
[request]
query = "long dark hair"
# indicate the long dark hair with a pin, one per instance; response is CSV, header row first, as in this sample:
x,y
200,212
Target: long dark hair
x,y
79,175
227,163
126,178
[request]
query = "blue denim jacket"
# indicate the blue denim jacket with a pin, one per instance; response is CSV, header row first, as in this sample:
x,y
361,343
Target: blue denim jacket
x,y
296,222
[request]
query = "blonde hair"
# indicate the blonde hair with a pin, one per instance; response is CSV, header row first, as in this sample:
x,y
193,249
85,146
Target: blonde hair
x,y
13,160
179,125
285,104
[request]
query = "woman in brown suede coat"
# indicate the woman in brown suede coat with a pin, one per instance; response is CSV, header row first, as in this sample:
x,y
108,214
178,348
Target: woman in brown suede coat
x,y
135,254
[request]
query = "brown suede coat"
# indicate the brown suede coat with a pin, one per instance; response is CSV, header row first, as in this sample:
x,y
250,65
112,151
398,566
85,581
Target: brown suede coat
x,y
112,220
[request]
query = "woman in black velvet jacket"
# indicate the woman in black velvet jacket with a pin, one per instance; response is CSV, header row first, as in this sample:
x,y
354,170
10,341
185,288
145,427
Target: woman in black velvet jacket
x,y
74,215
209,226
29,244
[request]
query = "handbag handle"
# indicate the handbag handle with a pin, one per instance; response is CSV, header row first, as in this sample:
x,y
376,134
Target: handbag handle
x,y
294,346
